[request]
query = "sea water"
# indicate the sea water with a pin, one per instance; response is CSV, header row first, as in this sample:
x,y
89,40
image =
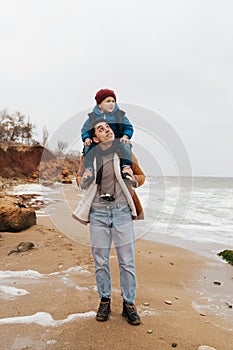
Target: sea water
x,y
191,212
194,213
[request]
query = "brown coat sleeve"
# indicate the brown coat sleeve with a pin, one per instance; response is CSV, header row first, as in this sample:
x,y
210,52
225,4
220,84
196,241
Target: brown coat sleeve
x,y
137,171
81,170
140,177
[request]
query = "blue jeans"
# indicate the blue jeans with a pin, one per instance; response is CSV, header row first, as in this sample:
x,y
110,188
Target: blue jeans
x,y
107,225
124,152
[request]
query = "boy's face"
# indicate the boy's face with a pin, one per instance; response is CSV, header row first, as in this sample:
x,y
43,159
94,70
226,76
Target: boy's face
x,y
103,133
107,105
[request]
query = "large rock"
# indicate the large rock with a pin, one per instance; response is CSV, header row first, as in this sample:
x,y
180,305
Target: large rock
x,y
15,219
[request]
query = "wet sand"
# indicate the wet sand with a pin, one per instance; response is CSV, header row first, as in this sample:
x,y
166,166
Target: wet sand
x,y
48,296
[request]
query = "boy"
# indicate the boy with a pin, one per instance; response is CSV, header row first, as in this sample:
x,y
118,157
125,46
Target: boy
x,y
106,108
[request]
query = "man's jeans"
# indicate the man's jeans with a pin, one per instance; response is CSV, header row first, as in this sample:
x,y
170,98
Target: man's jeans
x,y
107,225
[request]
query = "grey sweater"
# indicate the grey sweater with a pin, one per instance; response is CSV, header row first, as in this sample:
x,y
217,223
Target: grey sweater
x,y
109,184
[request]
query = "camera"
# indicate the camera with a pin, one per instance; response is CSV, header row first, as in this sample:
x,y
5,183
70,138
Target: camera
x,y
107,197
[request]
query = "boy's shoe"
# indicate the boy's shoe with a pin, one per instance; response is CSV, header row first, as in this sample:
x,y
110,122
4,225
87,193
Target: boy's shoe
x,y
87,179
130,178
103,310
130,313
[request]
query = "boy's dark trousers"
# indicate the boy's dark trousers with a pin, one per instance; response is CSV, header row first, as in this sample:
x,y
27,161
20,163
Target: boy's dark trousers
x,y
124,153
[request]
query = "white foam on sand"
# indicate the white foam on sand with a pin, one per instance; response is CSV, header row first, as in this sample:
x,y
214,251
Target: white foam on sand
x,y
44,192
30,274
81,289
45,319
36,189
20,274
11,291
78,269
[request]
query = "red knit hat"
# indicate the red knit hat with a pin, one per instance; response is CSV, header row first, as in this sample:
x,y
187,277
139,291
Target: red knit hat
x,y
102,94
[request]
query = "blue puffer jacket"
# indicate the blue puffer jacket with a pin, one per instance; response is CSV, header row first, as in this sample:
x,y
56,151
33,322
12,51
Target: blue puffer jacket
x,y
126,126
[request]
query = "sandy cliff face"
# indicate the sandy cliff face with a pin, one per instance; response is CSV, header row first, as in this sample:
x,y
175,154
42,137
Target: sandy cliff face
x,y
27,162
21,160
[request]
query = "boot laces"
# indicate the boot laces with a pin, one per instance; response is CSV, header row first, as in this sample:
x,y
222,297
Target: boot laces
x,y
131,309
103,306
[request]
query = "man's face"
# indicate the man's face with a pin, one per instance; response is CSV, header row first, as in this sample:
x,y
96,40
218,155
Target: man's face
x,y
103,133
107,105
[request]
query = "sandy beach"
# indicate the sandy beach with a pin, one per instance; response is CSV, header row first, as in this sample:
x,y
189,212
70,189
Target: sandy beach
x,y
49,298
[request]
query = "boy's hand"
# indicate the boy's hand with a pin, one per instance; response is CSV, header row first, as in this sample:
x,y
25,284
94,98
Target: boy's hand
x,y
87,173
124,139
128,170
87,142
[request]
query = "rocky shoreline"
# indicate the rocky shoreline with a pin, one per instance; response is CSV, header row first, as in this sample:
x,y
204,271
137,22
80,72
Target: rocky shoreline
x,y
22,164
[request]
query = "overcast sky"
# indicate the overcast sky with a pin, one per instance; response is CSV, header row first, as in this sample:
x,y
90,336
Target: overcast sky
x,y
173,57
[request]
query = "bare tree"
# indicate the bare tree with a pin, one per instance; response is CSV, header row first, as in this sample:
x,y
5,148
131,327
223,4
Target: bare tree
x,y
61,146
27,131
45,136
3,124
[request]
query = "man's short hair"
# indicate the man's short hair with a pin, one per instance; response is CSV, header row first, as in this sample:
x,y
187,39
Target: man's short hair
x,y
93,124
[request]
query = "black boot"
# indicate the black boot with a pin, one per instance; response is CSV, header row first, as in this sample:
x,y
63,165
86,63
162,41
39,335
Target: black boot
x,y
103,310
130,313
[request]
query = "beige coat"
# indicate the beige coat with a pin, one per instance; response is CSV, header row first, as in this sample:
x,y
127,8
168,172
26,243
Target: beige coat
x,y
82,212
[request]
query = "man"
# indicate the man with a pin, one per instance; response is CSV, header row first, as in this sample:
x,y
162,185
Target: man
x,y
110,204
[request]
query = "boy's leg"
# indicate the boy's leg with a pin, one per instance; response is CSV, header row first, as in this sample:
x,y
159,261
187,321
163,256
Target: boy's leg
x,y
88,156
125,154
88,175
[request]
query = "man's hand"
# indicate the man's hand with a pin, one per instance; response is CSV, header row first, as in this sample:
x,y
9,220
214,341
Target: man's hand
x,y
124,139
87,142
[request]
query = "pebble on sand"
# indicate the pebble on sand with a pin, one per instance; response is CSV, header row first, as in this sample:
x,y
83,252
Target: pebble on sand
x,y
229,305
217,283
